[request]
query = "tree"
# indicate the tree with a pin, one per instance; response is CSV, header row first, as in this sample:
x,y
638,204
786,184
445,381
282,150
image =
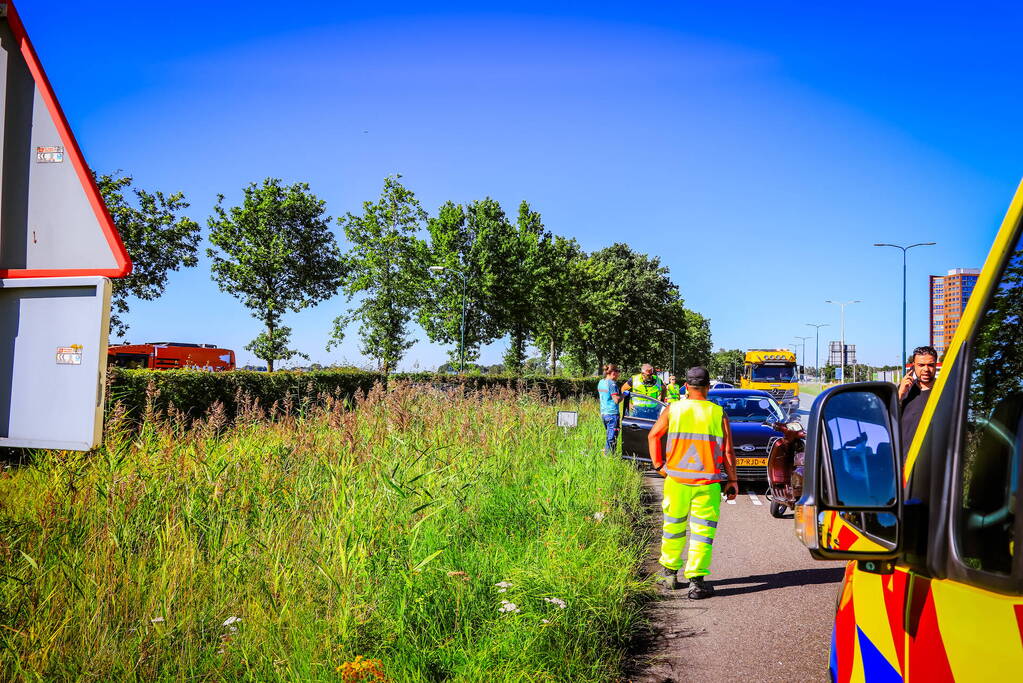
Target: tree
x,y
465,241
515,270
275,252
727,364
562,295
633,294
157,237
388,267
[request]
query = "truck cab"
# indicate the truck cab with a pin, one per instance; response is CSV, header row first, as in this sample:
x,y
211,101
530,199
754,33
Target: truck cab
x,y
934,587
773,371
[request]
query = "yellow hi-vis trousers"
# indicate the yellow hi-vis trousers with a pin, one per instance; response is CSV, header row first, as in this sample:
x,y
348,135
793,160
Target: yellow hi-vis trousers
x,y
699,506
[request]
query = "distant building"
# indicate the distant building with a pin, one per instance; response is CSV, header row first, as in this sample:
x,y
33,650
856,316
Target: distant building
x,y
949,294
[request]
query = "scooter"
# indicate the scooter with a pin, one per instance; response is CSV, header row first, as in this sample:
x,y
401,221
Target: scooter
x,y
785,467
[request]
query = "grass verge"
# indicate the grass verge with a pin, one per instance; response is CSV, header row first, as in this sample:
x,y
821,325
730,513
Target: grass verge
x,y
418,536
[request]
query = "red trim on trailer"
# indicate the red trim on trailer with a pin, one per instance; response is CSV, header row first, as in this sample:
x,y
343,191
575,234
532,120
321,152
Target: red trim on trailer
x,y
106,223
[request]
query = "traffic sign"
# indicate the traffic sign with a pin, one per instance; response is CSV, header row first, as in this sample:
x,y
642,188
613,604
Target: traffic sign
x,y
58,246
53,222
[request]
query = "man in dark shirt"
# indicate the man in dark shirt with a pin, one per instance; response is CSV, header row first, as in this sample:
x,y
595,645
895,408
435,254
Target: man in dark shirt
x,y
915,389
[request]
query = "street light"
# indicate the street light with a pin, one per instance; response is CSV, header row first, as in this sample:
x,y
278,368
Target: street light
x,y
817,348
843,304
672,332
461,349
902,361
803,339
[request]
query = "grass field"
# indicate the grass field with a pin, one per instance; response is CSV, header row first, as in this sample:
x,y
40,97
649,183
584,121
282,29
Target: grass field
x,y
810,388
419,536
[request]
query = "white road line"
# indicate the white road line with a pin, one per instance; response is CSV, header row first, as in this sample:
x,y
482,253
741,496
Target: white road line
x,y
731,502
753,497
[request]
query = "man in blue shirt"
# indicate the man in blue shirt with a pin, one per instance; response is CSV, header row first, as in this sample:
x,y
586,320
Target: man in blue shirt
x,y
610,397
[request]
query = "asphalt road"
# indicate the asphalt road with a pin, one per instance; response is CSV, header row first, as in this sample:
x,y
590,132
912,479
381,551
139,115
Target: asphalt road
x,y
770,619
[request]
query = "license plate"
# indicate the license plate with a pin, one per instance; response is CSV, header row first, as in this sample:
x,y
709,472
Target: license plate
x,y
751,462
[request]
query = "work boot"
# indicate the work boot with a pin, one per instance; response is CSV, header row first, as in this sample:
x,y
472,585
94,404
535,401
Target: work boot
x,y
699,588
669,577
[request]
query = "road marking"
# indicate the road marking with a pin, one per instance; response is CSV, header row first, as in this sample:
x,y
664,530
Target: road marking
x,y
753,497
731,502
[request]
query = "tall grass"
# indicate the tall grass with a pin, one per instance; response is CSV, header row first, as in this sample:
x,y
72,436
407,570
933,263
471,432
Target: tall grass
x,y
300,548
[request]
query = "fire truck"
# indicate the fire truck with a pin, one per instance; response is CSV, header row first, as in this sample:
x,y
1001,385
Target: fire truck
x,y
171,355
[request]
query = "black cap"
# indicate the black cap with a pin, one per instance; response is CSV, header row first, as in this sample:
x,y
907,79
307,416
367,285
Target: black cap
x,y
698,377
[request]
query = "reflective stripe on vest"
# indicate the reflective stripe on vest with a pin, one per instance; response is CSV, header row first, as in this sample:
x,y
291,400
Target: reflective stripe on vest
x,y
641,390
695,442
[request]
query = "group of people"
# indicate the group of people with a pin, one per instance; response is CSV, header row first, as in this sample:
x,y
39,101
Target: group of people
x,y
698,456
646,392
695,461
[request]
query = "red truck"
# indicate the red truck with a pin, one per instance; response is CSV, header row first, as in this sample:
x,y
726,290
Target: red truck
x,y
171,355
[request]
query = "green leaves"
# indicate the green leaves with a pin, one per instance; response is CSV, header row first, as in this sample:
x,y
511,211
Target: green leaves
x,y
387,266
275,252
158,238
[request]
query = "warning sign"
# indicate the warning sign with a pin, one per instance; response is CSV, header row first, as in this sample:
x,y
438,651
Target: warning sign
x,y
69,355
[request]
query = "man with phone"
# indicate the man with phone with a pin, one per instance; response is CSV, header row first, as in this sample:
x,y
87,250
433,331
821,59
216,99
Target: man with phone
x,y
915,389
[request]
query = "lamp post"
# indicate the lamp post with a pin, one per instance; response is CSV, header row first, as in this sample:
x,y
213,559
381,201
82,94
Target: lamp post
x,y
843,304
803,355
902,360
672,333
461,348
817,348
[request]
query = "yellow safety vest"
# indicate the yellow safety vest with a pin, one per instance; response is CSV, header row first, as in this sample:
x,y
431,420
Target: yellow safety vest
x,y
674,393
696,440
641,390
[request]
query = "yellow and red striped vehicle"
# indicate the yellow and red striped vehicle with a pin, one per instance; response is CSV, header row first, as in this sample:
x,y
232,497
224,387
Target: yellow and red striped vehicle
x,y
934,588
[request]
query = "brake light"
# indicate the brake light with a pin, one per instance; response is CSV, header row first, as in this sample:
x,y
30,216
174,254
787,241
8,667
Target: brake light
x,y
806,525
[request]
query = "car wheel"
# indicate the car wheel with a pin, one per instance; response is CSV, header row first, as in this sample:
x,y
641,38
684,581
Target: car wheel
x,y
777,510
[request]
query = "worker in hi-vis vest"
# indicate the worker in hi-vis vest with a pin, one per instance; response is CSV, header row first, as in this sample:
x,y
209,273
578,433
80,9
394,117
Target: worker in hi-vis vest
x,y
673,390
699,444
639,388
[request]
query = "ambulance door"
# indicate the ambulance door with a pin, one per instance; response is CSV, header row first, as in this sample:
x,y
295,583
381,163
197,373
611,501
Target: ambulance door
x,y
965,622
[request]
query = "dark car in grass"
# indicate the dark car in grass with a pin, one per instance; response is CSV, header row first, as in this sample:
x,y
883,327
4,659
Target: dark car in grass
x,y
750,414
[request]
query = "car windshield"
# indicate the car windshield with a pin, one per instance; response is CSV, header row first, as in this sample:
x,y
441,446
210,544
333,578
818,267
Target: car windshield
x,y
749,408
774,373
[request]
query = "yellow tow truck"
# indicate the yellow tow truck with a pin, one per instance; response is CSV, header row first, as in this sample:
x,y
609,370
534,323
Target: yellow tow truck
x,y
773,371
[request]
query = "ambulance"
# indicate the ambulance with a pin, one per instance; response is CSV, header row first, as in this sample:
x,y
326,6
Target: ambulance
x,y
934,587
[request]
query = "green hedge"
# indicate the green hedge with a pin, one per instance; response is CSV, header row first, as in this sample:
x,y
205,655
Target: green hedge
x,y
194,392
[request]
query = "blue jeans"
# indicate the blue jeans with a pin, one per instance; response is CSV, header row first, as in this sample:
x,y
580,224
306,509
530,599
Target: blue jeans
x,y
611,424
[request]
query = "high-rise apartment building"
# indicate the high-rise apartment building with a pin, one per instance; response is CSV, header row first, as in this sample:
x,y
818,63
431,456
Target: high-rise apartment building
x,y
949,294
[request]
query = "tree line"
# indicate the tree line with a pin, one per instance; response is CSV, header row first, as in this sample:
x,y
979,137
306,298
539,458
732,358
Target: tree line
x,y
506,276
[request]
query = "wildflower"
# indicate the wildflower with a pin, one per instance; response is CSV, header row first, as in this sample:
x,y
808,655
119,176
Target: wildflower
x,y
597,516
508,607
361,669
157,620
503,584
557,602
230,624
545,621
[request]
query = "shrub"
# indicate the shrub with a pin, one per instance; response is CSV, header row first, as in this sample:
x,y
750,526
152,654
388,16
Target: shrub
x,y
193,393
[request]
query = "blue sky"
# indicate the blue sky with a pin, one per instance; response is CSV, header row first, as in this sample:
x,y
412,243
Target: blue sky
x,y
759,149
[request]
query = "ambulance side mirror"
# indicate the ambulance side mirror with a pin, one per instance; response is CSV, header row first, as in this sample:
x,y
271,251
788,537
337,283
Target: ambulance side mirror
x,y
851,507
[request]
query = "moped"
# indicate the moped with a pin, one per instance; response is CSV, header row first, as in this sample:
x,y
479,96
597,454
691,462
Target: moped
x,y
785,467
